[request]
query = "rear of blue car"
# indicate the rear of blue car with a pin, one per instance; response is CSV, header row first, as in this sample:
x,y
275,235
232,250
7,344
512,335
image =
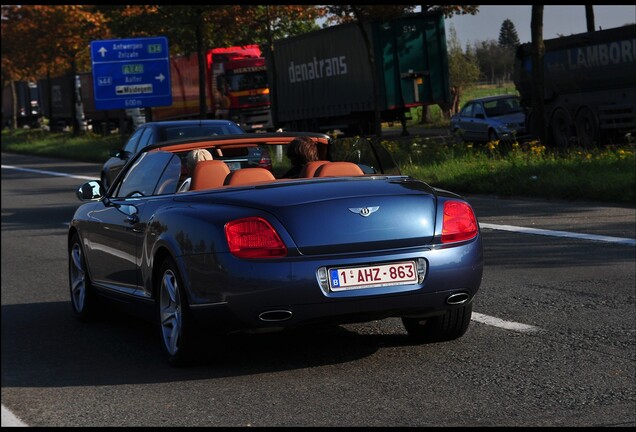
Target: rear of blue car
x,y
282,264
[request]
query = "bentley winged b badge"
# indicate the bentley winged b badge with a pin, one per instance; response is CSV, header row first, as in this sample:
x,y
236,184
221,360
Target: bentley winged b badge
x,y
364,211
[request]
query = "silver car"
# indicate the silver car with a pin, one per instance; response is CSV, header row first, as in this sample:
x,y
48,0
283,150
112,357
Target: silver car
x,y
490,118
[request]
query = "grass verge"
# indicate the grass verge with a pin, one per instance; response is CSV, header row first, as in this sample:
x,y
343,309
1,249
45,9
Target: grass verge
x,y
606,174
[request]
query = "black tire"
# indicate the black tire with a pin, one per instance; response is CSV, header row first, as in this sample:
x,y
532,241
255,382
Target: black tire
x,y
449,326
560,130
177,330
458,136
587,130
83,298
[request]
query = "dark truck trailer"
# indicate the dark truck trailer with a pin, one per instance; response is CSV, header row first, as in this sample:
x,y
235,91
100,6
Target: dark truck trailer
x,y
61,95
321,81
24,104
589,86
56,99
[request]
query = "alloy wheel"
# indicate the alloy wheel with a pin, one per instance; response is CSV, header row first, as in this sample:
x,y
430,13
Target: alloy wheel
x,y
170,312
77,278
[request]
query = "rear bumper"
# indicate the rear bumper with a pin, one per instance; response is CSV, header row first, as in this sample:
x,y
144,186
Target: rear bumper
x,y
276,296
226,318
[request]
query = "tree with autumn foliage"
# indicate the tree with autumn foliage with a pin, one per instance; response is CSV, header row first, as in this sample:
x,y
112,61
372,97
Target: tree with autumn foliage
x,y
261,24
57,37
219,25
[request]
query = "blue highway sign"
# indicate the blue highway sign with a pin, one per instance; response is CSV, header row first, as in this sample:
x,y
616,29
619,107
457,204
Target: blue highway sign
x,y
131,73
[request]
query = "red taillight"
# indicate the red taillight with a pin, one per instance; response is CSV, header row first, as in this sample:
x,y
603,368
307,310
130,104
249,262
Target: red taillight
x,y
266,160
253,237
459,222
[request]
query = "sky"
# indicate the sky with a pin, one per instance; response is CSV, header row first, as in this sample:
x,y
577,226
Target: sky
x,y
557,20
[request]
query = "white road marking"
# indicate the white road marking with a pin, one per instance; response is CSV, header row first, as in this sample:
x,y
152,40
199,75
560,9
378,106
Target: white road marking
x,y
9,419
508,325
53,173
552,233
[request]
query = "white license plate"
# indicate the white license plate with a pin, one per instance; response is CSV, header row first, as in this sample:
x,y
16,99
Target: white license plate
x,y
341,279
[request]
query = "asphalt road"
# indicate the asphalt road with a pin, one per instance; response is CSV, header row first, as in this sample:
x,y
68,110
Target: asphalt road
x,y
552,341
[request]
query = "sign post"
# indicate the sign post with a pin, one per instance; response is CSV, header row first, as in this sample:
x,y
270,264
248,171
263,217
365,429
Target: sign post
x,y
131,73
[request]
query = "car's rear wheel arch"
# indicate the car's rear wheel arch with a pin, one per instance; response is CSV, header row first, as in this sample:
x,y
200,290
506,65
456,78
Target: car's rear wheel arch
x,y
161,254
71,233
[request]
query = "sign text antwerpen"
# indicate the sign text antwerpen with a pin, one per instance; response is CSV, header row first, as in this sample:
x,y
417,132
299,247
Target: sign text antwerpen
x,y
131,73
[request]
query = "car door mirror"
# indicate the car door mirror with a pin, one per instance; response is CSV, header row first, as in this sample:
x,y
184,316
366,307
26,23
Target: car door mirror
x,y
90,191
480,116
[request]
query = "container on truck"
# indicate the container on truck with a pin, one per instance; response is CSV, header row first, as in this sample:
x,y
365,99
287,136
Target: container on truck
x,y
589,86
321,81
56,97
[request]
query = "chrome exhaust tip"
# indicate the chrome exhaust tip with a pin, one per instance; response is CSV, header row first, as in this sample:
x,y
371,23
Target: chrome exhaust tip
x,y
275,315
458,298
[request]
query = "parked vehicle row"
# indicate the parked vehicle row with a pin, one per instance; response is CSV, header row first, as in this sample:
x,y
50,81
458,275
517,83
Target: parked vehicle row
x,y
309,82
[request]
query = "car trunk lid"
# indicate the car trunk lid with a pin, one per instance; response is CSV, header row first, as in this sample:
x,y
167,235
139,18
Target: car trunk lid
x,y
342,216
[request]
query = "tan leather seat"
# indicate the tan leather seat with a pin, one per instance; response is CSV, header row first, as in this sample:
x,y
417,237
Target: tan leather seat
x,y
209,174
338,169
249,176
309,169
